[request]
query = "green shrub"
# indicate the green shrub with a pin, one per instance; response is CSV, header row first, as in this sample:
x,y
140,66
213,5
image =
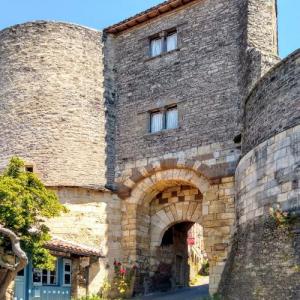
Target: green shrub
x,y
205,269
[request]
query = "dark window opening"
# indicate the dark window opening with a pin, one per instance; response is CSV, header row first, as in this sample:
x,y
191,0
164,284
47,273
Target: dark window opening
x,y
29,169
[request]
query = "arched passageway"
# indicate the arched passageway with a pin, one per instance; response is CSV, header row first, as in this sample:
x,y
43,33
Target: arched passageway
x,y
169,263
179,258
164,199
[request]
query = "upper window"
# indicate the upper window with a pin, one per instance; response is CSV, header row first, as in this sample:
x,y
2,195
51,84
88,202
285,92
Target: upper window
x,y
166,118
171,41
172,118
166,43
156,47
157,120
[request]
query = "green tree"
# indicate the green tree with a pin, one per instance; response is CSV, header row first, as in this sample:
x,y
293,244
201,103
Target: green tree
x,y
25,204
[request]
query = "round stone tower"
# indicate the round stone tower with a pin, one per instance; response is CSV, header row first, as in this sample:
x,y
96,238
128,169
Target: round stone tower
x,y
264,261
51,102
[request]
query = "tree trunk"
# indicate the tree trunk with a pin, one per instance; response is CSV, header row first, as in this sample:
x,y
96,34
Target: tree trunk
x,y
8,272
5,294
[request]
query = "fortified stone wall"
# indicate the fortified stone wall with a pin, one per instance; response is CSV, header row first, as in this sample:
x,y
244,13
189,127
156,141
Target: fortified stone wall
x,y
51,102
273,105
264,261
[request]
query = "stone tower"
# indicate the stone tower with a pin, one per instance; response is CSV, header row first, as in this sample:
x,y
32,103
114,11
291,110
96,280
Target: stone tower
x,y
52,99
264,260
261,39
223,48
53,115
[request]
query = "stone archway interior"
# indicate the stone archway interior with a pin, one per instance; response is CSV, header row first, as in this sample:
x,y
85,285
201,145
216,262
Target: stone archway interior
x,y
173,212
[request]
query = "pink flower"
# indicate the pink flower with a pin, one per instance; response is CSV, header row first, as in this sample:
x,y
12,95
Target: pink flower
x,y
122,271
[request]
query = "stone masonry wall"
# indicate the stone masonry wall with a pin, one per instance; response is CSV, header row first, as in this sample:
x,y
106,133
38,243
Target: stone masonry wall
x,y
262,26
94,219
259,49
52,103
111,97
201,77
207,76
264,262
264,258
269,176
273,105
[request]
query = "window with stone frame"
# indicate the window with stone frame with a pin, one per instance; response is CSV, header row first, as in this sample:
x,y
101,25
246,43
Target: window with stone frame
x,y
163,119
29,169
164,42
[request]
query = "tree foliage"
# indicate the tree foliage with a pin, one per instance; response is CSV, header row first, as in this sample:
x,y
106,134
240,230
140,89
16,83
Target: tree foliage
x,y
25,204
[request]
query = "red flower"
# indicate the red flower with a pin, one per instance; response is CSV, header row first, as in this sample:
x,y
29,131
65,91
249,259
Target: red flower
x,y
122,271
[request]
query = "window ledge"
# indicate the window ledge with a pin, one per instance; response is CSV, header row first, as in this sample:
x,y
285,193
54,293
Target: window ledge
x,y
162,133
162,55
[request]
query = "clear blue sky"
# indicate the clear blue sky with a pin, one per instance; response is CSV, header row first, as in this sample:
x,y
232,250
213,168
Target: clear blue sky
x,y
101,13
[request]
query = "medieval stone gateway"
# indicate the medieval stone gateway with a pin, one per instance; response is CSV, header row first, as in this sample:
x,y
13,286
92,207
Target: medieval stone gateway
x,y
194,199
182,114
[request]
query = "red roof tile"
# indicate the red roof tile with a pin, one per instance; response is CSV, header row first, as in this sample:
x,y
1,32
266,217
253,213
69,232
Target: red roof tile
x,y
147,15
69,247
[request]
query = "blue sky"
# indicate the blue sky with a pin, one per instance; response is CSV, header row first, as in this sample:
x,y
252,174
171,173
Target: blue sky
x,y
101,13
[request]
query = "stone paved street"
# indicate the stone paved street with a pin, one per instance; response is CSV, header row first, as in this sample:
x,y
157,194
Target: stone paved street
x,y
193,293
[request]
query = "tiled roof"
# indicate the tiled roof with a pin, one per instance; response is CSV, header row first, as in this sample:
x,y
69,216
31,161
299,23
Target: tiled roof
x,y
147,15
69,247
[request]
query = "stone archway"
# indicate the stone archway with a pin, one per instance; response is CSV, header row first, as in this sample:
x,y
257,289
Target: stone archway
x,y
172,213
139,239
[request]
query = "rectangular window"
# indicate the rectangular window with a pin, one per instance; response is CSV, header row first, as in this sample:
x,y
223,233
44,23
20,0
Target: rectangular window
x,y
172,118
156,46
166,43
37,276
157,120
67,272
44,277
166,118
171,41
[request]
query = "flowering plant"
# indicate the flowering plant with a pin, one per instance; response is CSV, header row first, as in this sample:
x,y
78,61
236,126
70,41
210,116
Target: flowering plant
x,y
281,218
124,279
